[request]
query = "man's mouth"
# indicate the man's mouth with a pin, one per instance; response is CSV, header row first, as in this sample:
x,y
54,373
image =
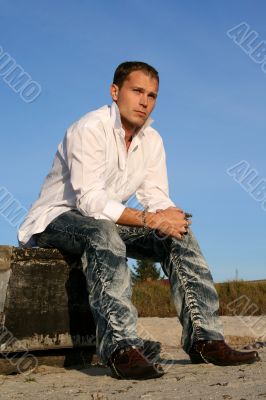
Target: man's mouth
x,y
141,113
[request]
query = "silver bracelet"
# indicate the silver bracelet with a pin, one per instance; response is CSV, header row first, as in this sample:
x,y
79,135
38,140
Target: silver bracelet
x,y
144,220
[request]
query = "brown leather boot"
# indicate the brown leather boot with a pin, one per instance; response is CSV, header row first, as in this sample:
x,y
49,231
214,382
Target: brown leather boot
x,y
130,363
219,353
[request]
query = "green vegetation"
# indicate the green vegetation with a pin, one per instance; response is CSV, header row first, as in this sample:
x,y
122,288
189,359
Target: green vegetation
x,y
146,270
153,299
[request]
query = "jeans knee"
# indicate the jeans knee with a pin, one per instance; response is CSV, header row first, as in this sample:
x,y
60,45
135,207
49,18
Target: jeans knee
x,y
106,237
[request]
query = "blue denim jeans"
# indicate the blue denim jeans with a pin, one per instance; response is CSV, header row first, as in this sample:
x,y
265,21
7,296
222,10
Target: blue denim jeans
x,y
104,247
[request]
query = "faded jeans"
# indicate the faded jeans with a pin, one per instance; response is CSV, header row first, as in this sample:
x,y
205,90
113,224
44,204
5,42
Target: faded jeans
x,y
104,247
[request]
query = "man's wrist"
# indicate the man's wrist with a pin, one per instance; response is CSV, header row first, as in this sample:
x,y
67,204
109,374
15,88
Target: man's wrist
x,y
133,217
150,220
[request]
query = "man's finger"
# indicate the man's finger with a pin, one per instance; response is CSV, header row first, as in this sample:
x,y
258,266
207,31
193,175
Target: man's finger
x,y
188,215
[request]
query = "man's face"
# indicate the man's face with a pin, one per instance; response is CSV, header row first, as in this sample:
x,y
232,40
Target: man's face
x,y
135,99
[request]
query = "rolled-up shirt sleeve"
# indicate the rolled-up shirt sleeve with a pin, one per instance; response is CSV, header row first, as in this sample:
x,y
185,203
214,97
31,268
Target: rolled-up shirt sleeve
x,y
86,158
153,193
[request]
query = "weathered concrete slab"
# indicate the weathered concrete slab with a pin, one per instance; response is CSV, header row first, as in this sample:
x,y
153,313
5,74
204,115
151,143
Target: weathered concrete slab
x,y
43,301
20,363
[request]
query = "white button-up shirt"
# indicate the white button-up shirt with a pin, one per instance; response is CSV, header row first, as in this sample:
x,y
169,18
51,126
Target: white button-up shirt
x,y
93,172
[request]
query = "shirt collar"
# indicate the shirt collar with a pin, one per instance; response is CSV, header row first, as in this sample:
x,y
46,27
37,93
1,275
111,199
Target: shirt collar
x,y
117,125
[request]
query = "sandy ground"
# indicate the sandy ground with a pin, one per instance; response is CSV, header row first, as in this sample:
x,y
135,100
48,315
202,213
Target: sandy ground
x,y
182,380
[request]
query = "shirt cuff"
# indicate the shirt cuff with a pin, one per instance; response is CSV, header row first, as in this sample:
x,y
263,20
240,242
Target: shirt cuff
x,y
113,210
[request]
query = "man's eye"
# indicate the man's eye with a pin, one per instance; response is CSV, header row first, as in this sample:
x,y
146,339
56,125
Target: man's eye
x,y
137,90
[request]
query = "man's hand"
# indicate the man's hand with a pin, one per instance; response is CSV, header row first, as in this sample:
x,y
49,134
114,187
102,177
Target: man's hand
x,y
171,222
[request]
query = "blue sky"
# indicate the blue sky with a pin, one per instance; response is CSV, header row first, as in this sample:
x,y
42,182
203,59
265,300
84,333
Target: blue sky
x,y
210,110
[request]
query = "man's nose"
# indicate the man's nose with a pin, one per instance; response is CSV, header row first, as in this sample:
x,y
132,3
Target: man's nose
x,y
144,100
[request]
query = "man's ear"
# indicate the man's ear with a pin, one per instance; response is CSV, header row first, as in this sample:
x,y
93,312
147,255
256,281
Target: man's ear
x,y
114,90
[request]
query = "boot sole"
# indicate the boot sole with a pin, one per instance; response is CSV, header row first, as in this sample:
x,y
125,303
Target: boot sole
x,y
118,375
201,360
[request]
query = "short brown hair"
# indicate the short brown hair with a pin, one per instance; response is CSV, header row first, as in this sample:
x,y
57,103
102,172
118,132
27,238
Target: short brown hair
x,y
124,69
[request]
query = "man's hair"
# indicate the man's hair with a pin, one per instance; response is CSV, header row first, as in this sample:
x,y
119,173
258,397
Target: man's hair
x,y
124,69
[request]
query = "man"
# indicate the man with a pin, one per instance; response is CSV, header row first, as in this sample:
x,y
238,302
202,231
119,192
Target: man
x,y
104,158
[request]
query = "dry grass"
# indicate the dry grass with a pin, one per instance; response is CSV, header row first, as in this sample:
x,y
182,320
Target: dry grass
x,y
242,298
153,299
